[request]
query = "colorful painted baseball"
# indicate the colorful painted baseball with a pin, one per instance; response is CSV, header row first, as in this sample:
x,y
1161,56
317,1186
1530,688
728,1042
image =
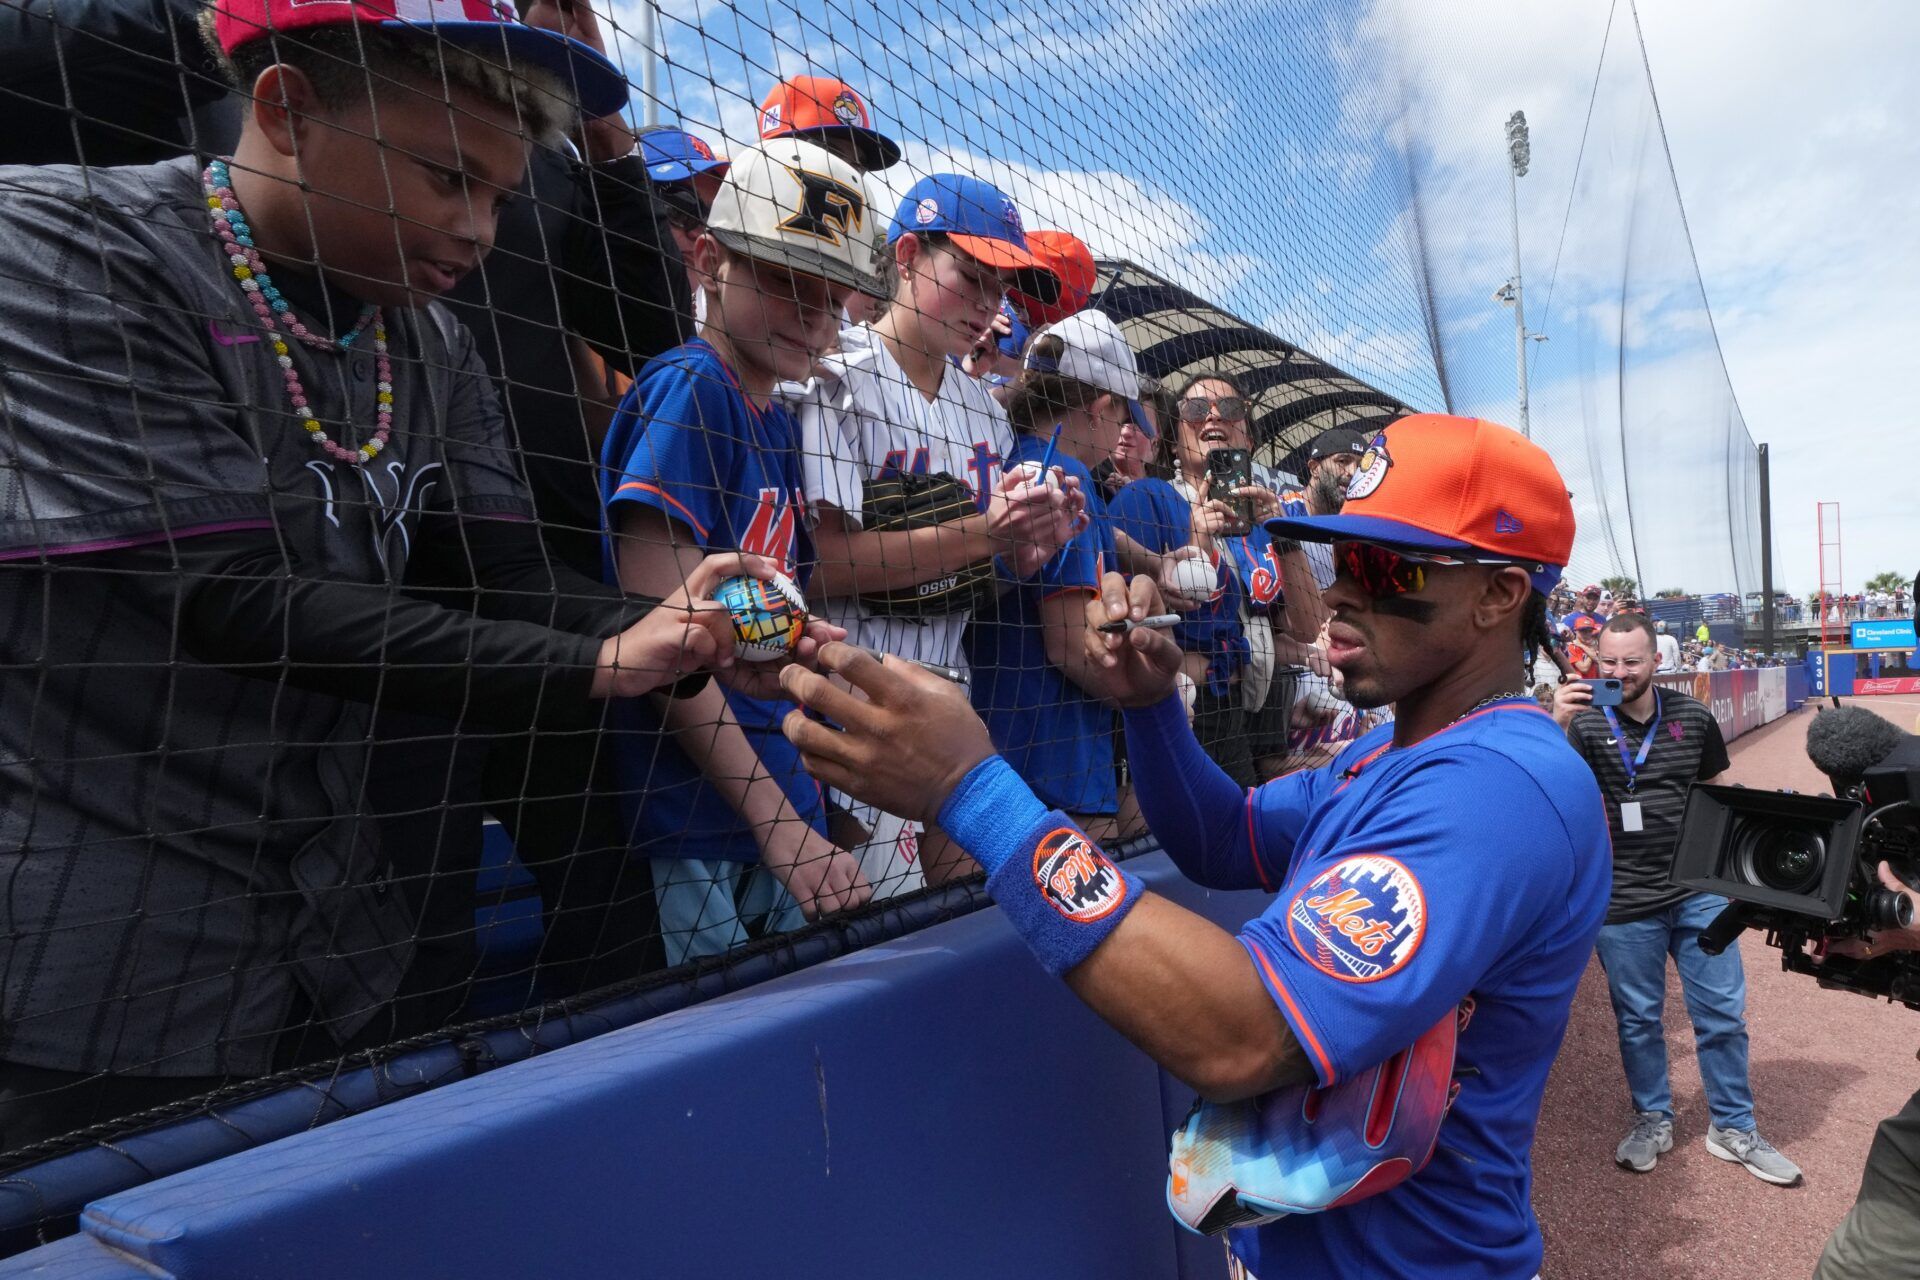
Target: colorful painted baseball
x,y
768,616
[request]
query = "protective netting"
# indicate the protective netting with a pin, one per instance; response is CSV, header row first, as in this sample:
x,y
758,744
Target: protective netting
x,y
315,738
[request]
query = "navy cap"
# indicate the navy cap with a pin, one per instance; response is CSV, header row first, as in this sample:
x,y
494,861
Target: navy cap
x,y
674,155
1014,345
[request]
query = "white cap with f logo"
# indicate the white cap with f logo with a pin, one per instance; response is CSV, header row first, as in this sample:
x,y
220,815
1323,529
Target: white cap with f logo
x,y
797,205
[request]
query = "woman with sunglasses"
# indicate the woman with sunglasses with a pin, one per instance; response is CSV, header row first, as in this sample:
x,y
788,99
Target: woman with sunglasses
x,y
1228,639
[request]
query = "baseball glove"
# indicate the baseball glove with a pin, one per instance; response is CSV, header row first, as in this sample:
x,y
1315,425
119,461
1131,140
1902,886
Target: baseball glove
x,y
904,501
1302,1149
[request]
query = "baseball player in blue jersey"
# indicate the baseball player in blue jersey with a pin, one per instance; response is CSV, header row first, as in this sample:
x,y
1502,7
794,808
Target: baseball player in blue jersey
x,y
1453,861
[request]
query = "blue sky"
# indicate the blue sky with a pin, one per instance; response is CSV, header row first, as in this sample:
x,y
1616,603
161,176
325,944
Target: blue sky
x,y
1315,167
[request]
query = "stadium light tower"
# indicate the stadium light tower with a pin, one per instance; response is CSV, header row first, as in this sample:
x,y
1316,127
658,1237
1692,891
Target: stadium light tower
x,y
650,69
1519,155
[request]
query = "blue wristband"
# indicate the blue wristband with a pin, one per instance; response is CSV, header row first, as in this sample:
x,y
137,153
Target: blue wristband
x,y
1059,891
989,811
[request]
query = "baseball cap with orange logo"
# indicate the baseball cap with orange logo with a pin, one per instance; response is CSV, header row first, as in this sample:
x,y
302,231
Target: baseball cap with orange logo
x,y
1453,486
823,110
1071,262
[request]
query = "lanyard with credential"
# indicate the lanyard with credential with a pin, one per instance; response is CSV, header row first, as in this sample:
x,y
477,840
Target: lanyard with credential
x,y
1633,762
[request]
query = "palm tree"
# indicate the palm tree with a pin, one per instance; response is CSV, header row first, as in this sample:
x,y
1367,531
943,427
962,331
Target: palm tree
x,y
1888,582
1622,586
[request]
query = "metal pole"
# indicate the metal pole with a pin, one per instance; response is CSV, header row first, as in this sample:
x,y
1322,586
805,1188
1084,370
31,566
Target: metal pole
x,y
1519,156
650,69
1766,554
1519,304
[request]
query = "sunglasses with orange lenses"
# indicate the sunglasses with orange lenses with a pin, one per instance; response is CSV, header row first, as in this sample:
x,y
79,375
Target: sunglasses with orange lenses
x,y
1381,571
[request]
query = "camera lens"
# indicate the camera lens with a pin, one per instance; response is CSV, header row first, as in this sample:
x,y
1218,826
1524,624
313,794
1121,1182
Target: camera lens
x,y
1786,858
1885,909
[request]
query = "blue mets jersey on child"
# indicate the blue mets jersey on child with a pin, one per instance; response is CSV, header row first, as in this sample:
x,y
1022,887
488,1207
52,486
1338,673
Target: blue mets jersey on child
x,y
1155,514
687,442
1473,863
1056,736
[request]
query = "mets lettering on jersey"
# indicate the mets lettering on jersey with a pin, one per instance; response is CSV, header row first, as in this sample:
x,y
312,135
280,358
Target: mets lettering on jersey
x,y
1360,920
1075,877
769,531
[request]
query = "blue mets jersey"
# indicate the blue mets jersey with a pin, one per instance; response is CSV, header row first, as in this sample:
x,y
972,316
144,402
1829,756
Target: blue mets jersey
x,y
687,442
1257,565
1472,864
1055,735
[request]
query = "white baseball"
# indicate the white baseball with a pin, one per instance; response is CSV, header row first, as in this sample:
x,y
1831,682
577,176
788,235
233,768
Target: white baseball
x,y
1194,578
1031,472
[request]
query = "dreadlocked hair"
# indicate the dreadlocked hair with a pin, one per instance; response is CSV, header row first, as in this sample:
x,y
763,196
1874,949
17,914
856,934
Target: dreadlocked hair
x,y
351,61
1536,637
1043,396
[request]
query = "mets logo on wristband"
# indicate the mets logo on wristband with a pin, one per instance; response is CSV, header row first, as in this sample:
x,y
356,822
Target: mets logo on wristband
x,y
1360,920
1076,878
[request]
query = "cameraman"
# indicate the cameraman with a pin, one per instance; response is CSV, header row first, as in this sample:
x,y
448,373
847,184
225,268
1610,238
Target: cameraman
x,y
1880,1236
1646,755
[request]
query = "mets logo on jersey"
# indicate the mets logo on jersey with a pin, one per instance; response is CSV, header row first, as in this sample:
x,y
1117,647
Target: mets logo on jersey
x,y
1371,469
1360,920
829,208
1076,878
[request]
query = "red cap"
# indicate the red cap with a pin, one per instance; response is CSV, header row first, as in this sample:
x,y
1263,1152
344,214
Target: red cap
x,y
1432,482
1591,589
1071,262
820,107
479,25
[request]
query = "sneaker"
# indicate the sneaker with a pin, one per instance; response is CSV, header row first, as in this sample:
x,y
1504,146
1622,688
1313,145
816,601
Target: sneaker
x,y
1755,1152
1652,1137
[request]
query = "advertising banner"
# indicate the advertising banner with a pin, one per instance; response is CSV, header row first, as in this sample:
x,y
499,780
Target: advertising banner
x,y
1884,633
1888,684
1773,694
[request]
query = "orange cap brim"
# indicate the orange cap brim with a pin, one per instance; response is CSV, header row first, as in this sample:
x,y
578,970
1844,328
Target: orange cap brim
x,y
1031,275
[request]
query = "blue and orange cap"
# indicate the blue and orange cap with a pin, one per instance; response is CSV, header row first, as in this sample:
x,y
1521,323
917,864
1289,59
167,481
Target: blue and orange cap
x,y
1453,486
982,222
674,155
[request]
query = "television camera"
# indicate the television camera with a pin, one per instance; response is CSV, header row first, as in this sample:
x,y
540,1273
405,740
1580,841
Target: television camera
x,y
1805,867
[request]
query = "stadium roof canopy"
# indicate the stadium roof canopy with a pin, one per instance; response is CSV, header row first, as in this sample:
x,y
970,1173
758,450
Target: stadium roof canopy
x,y
1176,333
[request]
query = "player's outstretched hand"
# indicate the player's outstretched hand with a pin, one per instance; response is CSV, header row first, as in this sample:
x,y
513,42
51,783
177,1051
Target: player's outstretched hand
x,y
902,748
1139,667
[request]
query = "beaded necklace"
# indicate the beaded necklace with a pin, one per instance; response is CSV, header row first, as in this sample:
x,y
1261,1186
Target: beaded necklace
x,y
250,270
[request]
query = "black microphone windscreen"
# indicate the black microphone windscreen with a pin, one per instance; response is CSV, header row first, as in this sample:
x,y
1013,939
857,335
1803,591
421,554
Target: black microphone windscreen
x,y
1846,742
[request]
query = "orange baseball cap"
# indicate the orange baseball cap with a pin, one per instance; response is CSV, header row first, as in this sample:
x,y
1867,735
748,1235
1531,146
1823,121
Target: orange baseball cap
x,y
1456,486
820,109
1071,262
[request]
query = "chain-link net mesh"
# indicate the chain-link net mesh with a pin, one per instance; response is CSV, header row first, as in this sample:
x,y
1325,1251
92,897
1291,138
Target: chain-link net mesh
x,y
339,719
